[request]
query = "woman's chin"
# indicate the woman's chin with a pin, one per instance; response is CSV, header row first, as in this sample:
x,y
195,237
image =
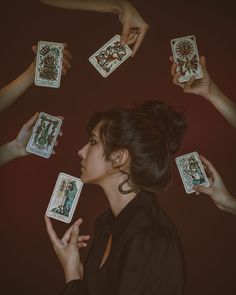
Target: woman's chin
x,y
84,178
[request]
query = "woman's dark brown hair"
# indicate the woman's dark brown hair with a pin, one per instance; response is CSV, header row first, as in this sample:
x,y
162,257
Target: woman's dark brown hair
x,y
151,133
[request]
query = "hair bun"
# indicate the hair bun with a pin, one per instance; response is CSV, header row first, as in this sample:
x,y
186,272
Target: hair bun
x,y
167,120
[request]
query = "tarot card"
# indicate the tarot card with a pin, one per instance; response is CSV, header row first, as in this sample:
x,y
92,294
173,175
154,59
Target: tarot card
x,y
110,56
186,57
48,64
191,171
44,135
64,198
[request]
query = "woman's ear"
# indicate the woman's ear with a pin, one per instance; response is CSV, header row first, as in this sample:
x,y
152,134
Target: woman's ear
x,y
120,158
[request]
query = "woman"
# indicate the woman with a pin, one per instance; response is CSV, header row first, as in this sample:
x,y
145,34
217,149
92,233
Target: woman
x,y
136,248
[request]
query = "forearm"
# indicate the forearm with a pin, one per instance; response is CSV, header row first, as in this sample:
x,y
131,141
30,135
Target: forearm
x,y
110,6
231,205
13,90
8,152
223,104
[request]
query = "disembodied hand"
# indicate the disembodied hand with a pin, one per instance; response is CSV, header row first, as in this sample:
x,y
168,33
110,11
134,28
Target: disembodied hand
x,y
21,141
23,136
134,27
217,190
66,60
200,87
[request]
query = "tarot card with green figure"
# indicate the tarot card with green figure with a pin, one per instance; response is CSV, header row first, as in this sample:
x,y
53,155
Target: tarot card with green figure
x,y
191,171
64,197
44,135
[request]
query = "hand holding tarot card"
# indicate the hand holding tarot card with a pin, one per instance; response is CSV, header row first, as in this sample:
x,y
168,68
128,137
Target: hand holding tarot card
x,y
48,64
110,56
185,54
44,135
191,171
64,198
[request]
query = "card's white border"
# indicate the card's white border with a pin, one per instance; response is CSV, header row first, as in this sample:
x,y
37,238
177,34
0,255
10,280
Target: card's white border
x,y
47,84
188,77
206,184
59,216
29,150
98,68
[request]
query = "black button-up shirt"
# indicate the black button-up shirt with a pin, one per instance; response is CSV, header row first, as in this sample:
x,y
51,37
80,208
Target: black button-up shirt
x,y
145,256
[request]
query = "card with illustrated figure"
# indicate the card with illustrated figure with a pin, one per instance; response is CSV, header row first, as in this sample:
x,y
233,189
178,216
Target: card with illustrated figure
x,y
191,171
64,198
44,135
185,54
110,56
48,64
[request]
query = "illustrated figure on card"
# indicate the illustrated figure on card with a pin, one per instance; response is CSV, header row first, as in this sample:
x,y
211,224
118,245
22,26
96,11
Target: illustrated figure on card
x,y
66,195
48,62
44,135
70,195
192,168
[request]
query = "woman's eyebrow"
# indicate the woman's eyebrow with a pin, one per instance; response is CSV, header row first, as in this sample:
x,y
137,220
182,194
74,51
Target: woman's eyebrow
x,y
92,135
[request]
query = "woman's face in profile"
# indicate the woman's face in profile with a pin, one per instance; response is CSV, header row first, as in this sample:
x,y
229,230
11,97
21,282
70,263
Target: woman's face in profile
x,y
94,168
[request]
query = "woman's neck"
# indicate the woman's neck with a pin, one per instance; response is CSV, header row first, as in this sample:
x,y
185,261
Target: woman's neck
x,y
117,200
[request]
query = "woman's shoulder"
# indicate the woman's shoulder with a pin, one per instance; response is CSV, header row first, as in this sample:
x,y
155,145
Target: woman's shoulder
x,y
156,235
158,245
158,229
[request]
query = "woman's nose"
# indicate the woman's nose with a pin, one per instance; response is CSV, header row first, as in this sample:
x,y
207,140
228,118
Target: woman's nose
x,y
82,152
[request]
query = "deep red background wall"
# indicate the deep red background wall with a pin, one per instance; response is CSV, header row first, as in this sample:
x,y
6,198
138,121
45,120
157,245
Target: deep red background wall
x,y
208,234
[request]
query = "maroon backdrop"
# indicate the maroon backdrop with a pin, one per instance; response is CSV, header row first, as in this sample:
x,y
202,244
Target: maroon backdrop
x,y
208,234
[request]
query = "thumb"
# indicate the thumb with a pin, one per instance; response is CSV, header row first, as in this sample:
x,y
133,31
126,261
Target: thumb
x,y
34,48
188,85
74,235
202,189
124,35
203,61
32,120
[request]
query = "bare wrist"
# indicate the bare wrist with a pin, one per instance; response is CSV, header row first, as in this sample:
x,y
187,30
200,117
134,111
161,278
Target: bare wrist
x,y
13,149
30,73
119,6
232,204
213,92
72,275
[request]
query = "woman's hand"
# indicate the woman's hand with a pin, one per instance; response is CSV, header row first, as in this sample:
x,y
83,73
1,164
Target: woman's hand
x,y
67,249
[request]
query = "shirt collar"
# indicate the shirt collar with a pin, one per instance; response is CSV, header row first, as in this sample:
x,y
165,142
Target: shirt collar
x,y
116,225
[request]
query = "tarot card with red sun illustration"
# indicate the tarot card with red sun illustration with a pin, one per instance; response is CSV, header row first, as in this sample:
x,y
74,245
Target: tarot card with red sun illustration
x,y
185,54
110,56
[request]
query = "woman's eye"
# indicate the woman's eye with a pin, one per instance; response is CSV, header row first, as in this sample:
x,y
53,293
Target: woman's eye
x,y
92,142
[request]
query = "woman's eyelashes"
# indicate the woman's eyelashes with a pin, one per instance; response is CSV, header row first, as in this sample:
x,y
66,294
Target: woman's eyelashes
x,y
92,141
